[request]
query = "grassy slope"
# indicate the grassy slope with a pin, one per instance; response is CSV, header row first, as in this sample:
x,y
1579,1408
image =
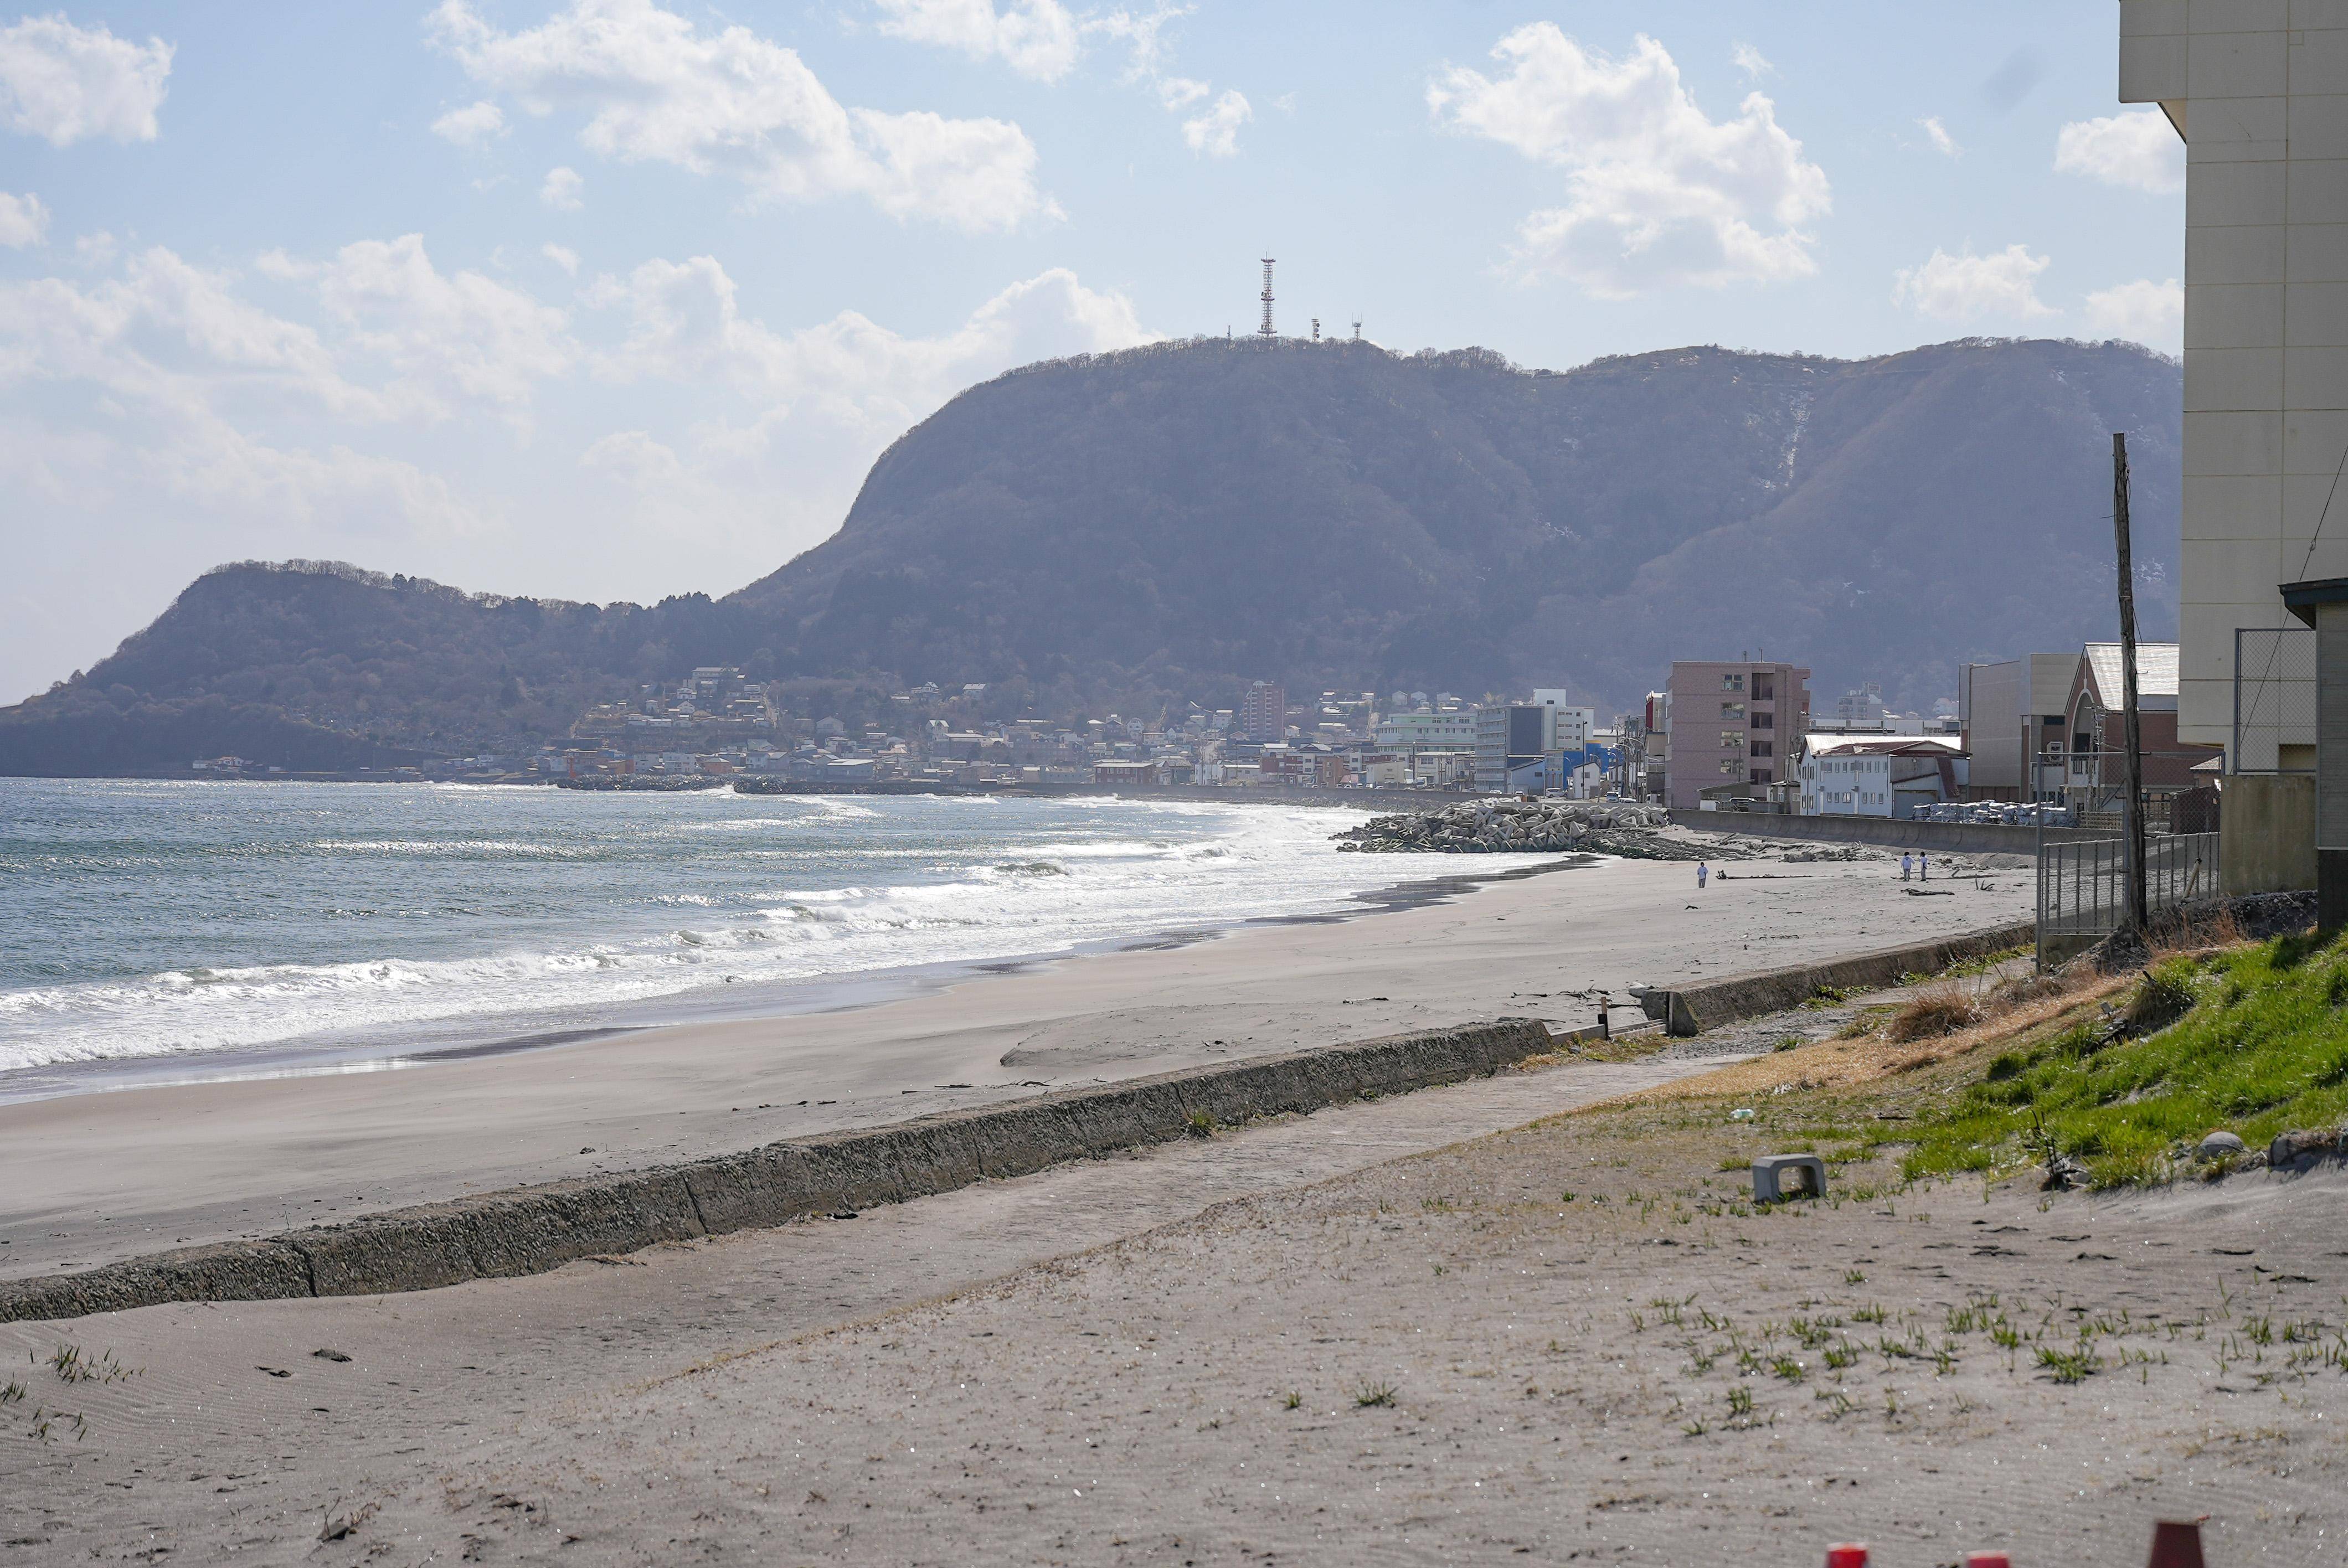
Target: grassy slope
x,y
2252,1040
2261,1048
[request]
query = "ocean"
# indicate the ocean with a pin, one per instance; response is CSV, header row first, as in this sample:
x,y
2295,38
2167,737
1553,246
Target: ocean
x,y
157,930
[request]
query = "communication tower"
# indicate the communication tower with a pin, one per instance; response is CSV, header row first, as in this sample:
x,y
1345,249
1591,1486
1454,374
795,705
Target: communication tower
x,y
1357,332
1265,330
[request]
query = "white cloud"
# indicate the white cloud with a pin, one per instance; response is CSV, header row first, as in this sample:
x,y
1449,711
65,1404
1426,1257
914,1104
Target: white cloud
x,y
1181,92
472,125
562,256
1144,37
95,248
64,82
1036,38
685,324
1969,287
656,89
1751,61
1216,133
2138,149
1658,193
560,189
1937,136
445,335
2144,310
22,220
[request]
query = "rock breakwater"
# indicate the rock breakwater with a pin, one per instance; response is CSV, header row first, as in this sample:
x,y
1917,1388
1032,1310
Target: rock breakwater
x,y
1514,826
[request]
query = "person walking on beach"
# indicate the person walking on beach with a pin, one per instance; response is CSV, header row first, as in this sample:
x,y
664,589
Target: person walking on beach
x,y
1924,867
1702,871
1906,865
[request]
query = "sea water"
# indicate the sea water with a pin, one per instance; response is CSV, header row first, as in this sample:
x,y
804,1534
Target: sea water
x,y
210,923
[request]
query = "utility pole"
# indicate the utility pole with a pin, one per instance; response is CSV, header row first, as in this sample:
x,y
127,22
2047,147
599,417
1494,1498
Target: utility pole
x,y
2132,768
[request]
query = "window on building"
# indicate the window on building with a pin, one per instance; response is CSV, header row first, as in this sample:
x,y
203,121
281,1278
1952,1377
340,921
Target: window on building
x,y
1731,765
1762,748
1732,710
1731,682
1761,775
1731,740
1765,720
1765,686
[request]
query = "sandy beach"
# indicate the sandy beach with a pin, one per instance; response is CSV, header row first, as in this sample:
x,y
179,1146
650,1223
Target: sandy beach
x,y
91,1178
1473,1322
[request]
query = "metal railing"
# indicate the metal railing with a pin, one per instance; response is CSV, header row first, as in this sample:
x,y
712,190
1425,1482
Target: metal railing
x,y
2083,888
2274,695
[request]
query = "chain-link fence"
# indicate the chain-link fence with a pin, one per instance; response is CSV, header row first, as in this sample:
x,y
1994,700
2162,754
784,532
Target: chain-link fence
x,y
2083,887
2274,696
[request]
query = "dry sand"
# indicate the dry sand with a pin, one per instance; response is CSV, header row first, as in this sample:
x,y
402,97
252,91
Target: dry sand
x,y
91,1178
1435,1358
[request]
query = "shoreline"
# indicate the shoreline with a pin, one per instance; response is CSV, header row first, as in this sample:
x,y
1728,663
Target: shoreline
x,y
96,1178
844,991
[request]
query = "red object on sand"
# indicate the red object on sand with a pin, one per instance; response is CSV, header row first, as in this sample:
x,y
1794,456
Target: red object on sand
x,y
1988,1559
2176,1543
1847,1556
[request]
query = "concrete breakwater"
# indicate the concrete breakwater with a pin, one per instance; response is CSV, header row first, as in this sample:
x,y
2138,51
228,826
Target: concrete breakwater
x,y
527,1230
1506,825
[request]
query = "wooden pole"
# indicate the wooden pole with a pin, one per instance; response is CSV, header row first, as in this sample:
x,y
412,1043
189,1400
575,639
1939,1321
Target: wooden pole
x,y
2132,771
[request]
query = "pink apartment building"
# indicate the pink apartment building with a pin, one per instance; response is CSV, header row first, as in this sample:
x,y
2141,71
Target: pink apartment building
x,y
1733,723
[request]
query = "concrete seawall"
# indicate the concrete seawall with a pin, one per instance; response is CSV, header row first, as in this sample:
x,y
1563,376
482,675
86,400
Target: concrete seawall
x,y
527,1230
1971,837
1691,1009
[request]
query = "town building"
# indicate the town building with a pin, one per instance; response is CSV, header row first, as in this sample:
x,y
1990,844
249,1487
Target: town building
x,y
2095,729
1426,731
1263,714
2258,89
1733,723
1858,774
1861,708
2012,717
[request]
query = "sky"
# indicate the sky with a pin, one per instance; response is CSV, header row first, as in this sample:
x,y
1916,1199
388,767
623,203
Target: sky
x,y
618,299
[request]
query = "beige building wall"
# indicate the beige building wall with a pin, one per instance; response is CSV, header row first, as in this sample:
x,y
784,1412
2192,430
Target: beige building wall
x,y
2258,89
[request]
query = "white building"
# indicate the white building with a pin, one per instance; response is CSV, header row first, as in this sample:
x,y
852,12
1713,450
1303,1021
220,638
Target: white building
x,y
1570,726
1877,775
1452,732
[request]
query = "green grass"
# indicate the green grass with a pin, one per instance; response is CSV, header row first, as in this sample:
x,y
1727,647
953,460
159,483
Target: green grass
x,y
2258,1045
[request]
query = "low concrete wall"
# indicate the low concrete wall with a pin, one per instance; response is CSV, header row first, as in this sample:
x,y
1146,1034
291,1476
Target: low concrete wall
x,y
1691,1009
2267,844
531,1229
1971,837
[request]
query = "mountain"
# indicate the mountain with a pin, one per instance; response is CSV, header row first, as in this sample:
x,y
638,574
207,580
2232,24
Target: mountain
x,y
1170,522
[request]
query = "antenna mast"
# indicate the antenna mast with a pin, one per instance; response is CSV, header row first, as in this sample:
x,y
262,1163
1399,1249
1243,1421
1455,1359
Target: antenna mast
x,y
1265,330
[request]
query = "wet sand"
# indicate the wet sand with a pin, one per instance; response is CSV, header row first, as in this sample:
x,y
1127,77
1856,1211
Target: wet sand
x,y
91,1178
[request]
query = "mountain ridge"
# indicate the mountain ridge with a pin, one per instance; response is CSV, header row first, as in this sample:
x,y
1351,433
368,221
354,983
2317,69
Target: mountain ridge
x,y
1170,522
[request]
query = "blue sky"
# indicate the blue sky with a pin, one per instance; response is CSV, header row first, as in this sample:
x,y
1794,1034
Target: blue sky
x,y
608,298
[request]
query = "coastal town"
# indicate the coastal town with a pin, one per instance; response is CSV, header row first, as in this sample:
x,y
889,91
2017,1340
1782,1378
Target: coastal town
x,y
2035,737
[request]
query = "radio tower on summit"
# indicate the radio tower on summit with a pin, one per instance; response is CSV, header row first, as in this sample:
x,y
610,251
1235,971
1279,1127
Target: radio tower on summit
x,y
1265,330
